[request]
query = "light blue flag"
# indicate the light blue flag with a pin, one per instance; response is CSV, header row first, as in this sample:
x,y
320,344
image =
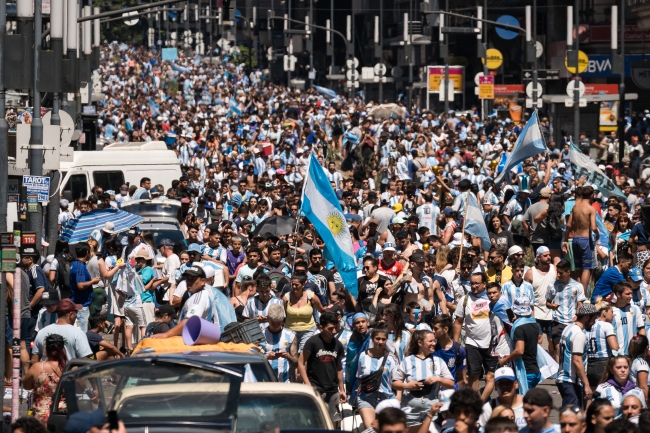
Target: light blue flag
x,y
583,166
475,225
234,107
529,144
326,92
321,206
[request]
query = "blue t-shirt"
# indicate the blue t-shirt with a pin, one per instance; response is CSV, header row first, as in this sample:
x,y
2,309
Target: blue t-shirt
x,y
639,231
449,358
147,275
37,281
606,282
79,274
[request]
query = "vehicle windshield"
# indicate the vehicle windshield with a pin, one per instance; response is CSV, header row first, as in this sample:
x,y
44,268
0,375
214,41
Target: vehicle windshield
x,y
152,390
148,209
262,413
175,235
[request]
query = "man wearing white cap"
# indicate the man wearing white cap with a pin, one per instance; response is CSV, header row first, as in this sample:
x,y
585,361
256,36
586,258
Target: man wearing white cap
x,y
541,276
65,216
506,382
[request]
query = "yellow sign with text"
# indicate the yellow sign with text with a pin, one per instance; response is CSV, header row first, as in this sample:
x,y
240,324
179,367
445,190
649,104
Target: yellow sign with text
x,y
486,87
583,63
494,59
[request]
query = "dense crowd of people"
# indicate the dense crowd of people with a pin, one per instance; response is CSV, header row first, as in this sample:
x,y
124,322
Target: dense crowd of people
x,y
434,311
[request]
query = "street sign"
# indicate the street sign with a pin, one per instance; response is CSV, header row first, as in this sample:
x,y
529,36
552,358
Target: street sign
x,y
571,88
352,63
39,186
477,77
450,92
380,69
493,58
529,103
8,259
27,238
582,102
583,63
131,18
352,84
539,49
542,74
32,202
486,87
12,187
529,90
503,32
396,72
352,74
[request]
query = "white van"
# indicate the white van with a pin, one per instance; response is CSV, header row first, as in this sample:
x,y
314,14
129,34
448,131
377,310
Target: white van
x,y
116,165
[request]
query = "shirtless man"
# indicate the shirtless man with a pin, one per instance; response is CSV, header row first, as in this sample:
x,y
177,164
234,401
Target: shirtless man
x,y
581,225
541,276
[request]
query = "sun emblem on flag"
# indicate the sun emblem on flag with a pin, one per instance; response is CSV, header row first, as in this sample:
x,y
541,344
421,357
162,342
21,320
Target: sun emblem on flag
x,y
336,223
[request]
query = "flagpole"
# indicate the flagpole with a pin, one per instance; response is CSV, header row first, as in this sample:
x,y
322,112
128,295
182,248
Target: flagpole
x,y
462,239
295,230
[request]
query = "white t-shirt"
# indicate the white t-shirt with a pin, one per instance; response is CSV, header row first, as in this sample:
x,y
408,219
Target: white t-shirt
x,y
171,264
76,342
180,289
476,317
199,304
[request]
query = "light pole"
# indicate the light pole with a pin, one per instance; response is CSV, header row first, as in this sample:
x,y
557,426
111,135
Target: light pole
x,y
36,135
621,92
4,139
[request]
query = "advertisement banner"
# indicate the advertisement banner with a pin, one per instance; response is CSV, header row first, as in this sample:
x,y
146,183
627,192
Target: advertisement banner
x,y
608,116
437,74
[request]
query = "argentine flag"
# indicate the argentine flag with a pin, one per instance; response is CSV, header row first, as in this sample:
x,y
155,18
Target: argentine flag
x,y
529,144
234,107
475,225
321,206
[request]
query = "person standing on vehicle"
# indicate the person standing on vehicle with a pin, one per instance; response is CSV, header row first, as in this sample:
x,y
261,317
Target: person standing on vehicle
x,y
172,263
320,365
142,193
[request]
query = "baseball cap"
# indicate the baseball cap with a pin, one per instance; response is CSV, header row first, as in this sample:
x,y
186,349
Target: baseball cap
x,y
545,192
209,271
66,306
389,246
50,297
635,274
587,310
167,309
124,188
63,203
165,243
417,256
134,231
109,227
538,397
561,165
504,373
195,271
28,250
541,250
194,248
515,250
521,306
448,211
398,220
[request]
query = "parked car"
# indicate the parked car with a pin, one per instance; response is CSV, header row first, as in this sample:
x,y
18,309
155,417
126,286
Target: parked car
x,y
160,218
192,392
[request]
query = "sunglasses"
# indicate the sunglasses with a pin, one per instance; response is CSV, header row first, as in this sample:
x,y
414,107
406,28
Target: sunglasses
x,y
466,268
365,268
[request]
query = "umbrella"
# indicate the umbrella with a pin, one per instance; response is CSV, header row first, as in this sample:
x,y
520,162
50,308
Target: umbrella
x,y
327,92
79,229
385,111
276,225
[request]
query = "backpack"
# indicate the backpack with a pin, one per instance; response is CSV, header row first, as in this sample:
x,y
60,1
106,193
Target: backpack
x,y
62,282
555,228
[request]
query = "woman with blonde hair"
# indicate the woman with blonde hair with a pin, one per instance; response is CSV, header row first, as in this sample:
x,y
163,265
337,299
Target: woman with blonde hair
x,y
502,411
603,336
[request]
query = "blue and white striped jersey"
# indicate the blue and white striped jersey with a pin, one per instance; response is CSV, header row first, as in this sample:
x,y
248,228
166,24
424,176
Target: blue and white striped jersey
x,y
414,368
597,337
627,321
275,343
368,365
511,291
255,307
344,338
639,365
402,344
199,304
572,341
218,253
608,391
420,327
567,296
641,297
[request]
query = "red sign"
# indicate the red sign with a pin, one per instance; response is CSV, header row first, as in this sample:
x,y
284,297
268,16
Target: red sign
x,y
508,89
601,89
28,239
603,34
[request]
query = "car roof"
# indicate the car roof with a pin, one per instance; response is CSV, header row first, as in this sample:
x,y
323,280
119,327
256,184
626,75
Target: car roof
x,y
210,357
246,387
